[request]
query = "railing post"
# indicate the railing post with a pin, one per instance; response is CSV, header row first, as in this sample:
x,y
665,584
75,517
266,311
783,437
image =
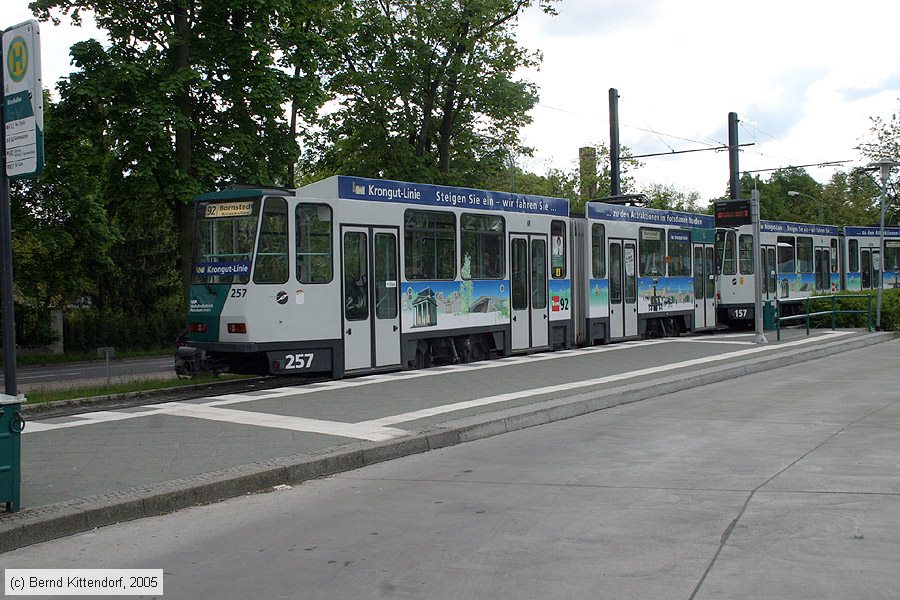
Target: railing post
x,y
777,317
869,298
807,315
833,312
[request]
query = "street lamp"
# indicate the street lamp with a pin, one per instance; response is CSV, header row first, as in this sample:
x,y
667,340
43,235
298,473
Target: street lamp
x,y
793,193
884,165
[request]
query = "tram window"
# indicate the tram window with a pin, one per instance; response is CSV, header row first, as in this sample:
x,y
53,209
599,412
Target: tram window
x,y
385,276
272,250
652,253
728,262
558,249
866,269
891,255
834,256
745,254
314,246
356,266
698,272
482,238
429,243
630,279
615,273
224,238
805,255
679,253
821,274
538,273
854,256
710,280
786,255
598,254
519,281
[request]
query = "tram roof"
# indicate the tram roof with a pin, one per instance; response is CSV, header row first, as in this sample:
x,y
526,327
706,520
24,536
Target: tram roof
x,y
242,193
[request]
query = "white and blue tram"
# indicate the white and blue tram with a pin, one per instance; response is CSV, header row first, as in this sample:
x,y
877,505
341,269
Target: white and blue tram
x,y
350,275
645,272
862,258
798,259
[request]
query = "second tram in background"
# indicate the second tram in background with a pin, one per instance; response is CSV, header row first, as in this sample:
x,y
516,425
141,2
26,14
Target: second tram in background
x,y
799,260
796,259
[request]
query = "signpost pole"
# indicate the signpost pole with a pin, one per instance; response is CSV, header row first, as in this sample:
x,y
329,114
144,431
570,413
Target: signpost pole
x,y
6,291
760,337
22,147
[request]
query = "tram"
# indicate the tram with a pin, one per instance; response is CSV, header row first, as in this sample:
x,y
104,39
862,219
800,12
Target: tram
x,y
350,275
862,258
797,259
646,272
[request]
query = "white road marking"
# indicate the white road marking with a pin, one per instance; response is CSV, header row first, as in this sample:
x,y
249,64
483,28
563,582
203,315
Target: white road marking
x,y
565,387
363,431
378,429
706,341
54,374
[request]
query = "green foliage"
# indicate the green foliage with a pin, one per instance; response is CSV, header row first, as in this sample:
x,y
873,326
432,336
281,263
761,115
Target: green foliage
x,y
87,329
186,97
890,310
847,199
427,91
39,396
62,237
668,197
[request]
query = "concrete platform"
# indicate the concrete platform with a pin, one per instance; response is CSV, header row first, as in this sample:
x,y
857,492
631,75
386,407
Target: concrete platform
x,y
94,469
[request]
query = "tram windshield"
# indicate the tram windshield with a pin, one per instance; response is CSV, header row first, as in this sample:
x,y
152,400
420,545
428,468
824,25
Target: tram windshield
x,y
223,242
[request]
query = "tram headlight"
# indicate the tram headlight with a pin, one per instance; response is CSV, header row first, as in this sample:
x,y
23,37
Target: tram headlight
x,y
198,327
237,328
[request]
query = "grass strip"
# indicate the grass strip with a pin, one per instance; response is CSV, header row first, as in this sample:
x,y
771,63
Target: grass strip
x,y
39,396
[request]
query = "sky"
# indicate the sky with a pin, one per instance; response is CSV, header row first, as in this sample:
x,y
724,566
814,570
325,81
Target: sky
x,y
805,78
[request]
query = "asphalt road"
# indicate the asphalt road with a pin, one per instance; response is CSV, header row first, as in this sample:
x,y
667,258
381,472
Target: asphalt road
x,y
78,374
783,484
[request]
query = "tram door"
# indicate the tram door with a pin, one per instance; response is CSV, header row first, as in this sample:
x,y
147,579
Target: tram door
x,y
823,268
371,298
528,291
767,271
704,286
623,315
870,264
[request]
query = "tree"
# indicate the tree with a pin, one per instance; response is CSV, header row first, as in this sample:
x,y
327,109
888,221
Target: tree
x,y
851,199
847,199
191,95
61,233
668,197
886,144
427,90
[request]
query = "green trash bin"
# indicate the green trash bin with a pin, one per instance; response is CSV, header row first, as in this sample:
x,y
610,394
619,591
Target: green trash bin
x,y
768,315
11,426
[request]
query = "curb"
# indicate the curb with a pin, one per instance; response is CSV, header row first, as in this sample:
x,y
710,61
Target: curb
x,y
40,524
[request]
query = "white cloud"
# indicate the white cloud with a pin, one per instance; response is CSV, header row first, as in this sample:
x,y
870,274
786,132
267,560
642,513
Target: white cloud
x,y
804,77
55,39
